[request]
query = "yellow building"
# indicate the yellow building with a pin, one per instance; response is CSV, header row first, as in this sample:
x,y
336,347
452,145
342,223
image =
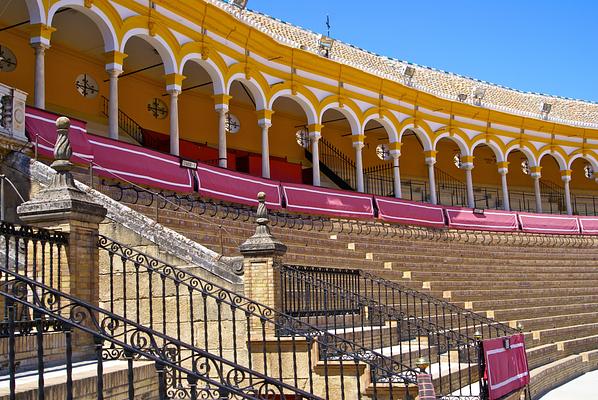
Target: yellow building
x,y
241,83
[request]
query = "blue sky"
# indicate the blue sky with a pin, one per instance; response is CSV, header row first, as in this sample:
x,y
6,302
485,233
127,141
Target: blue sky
x,y
545,46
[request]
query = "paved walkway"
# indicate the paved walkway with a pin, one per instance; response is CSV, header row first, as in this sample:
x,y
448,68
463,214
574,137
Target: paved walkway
x,y
584,387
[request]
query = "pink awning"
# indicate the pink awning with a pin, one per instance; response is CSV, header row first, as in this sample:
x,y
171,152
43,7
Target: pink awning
x,y
409,212
543,223
588,225
464,218
40,125
235,187
316,200
124,161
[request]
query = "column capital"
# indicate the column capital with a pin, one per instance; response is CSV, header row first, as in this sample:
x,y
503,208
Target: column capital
x,y
174,82
40,34
358,140
315,135
430,156
315,127
467,159
221,101
395,153
396,146
264,114
566,175
114,60
535,172
503,165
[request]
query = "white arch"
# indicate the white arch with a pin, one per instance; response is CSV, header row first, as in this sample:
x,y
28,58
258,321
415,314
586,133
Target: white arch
x,y
347,113
500,157
455,139
253,86
158,43
308,108
95,14
37,11
211,68
593,162
526,152
421,135
388,126
556,155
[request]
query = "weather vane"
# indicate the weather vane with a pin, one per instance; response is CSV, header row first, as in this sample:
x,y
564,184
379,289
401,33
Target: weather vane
x,y
328,24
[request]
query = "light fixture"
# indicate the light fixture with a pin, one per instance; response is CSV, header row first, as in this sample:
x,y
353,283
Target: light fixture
x,y
422,363
325,44
461,97
478,95
408,74
545,110
383,152
477,335
240,3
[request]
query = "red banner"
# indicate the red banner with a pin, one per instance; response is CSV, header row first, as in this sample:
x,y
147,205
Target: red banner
x,y
506,365
317,200
40,125
410,212
465,218
542,223
235,187
119,160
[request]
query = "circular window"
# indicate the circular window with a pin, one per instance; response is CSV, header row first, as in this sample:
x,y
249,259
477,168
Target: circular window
x,y
157,108
8,60
588,171
87,86
383,152
302,137
457,160
525,167
233,125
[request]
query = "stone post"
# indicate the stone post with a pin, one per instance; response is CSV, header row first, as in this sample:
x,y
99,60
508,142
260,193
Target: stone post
x,y
430,161
62,206
261,254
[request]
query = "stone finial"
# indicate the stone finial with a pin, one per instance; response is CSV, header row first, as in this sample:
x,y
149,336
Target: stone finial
x,y
262,243
62,149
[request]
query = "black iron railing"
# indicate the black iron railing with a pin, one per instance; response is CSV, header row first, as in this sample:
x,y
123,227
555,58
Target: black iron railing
x,y
451,187
125,122
400,322
338,163
206,375
379,180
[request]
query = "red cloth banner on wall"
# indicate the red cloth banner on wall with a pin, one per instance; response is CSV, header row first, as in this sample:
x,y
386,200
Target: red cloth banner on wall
x,y
465,218
40,125
506,365
119,160
588,225
410,212
543,223
235,187
317,200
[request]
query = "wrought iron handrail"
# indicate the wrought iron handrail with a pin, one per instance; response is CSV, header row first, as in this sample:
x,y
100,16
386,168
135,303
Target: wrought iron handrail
x,y
379,179
125,122
338,162
366,308
330,344
127,336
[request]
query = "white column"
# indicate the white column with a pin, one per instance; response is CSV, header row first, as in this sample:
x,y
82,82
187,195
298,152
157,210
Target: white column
x,y
174,121
536,177
359,166
430,161
265,125
39,86
566,177
222,110
469,184
315,157
505,189
113,103
396,172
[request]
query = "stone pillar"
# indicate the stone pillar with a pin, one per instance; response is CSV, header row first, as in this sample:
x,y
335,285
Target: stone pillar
x,y
174,83
396,173
261,255
113,104
315,136
503,170
430,161
39,80
467,166
358,143
566,177
265,122
221,107
536,174
62,206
